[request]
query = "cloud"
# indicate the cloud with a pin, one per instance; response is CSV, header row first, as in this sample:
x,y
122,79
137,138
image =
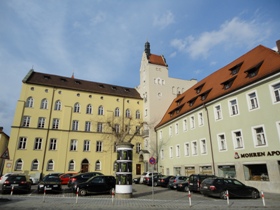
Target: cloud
x,y
164,20
231,34
98,18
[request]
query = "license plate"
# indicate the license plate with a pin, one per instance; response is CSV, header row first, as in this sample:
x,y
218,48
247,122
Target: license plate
x,y
14,185
205,187
48,188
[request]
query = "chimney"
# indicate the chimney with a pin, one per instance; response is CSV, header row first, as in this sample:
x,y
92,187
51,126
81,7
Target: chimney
x,y
278,45
1,129
147,49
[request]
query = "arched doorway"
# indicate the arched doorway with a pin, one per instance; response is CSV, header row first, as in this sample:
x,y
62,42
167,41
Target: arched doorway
x,y
84,166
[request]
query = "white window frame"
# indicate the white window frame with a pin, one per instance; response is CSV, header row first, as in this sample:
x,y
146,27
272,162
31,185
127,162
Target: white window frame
x,y
35,165
170,130
86,145
41,122
19,165
50,165
22,143
26,121
176,128
74,145
29,102
99,146
200,119
87,126
53,144
233,108
162,154
71,166
185,124
178,150
171,152
44,104
203,146
38,143
100,110
75,125
273,92
76,108
194,148
187,149
89,109
218,112
234,140
251,101
192,122
257,136
220,140
55,123
57,105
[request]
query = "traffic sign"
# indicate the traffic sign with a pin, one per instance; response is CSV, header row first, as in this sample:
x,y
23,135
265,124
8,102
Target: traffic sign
x,y
152,160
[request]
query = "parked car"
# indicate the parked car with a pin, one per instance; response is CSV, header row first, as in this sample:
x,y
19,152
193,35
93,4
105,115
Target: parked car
x,y
50,184
196,179
64,178
97,184
34,180
183,186
147,174
175,180
17,182
79,178
218,187
163,181
136,180
150,181
4,177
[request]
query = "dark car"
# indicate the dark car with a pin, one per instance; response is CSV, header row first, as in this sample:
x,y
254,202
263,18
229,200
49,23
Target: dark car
x,y
218,187
50,184
183,186
97,184
136,180
79,178
173,181
163,182
153,180
17,183
196,179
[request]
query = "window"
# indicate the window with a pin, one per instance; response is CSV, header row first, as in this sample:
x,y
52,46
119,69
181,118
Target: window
x,y
176,128
137,114
52,144
22,143
259,136
194,148
127,113
161,153
200,119
138,147
75,125
171,152
237,140
41,122
100,110
73,145
187,149
97,165
99,146
89,109
29,102
177,150
26,121
192,122
87,126
252,101
71,166
256,172
222,142
276,91
160,135
170,130
44,104
50,165
18,165
233,107
38,144
77,107
185,125
203,149
55,123
218,112
117,128
35,165
86,145
117,112
127,129
99,127
57,105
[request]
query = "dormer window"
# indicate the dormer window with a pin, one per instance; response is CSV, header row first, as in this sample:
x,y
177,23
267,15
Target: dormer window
x,y
47,77
227,84
254,70
199,88
234,70
114,88
77,82
179,101
63,79
191,102
204,95
101,86
126,89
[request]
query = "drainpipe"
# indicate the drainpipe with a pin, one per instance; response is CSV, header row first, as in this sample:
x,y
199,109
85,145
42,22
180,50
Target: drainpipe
x,y
210,139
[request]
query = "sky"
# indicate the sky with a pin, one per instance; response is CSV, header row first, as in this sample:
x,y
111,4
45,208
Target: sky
x,y
103,40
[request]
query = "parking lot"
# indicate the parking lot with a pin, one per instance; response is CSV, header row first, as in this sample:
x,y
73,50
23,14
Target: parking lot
x,y
144,197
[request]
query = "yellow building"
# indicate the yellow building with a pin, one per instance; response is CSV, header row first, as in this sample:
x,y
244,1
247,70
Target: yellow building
x,y
64,124
4,140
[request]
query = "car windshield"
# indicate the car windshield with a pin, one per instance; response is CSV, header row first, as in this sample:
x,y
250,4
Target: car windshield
x,y
51,179
16,178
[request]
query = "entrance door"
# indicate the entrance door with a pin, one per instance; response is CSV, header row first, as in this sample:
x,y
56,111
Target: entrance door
x,y
138,169
84,166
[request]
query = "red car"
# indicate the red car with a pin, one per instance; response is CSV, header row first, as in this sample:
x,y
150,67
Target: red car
x,y
65,177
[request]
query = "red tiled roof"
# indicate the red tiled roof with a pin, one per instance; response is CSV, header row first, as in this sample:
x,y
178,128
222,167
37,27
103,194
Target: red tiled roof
x,y
80,85
262,60
157,59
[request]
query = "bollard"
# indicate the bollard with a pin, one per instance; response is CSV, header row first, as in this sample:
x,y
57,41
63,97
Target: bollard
x,y
227,198
12,190
44,194
190,198
263,198
113,195
77,194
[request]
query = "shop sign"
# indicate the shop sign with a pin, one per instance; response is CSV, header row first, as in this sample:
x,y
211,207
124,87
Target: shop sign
x,y
256,154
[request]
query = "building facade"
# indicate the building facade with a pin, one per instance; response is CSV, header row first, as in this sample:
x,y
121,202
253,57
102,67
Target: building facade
x,y
65,124
157,90
228,124
4,141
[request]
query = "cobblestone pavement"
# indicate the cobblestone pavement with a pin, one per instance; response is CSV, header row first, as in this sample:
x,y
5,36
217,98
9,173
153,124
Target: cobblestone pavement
x,y
144,197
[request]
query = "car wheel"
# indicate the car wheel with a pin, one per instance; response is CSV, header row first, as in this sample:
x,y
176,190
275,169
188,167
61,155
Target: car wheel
x,y
223,195
255,194
186,189
82,192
